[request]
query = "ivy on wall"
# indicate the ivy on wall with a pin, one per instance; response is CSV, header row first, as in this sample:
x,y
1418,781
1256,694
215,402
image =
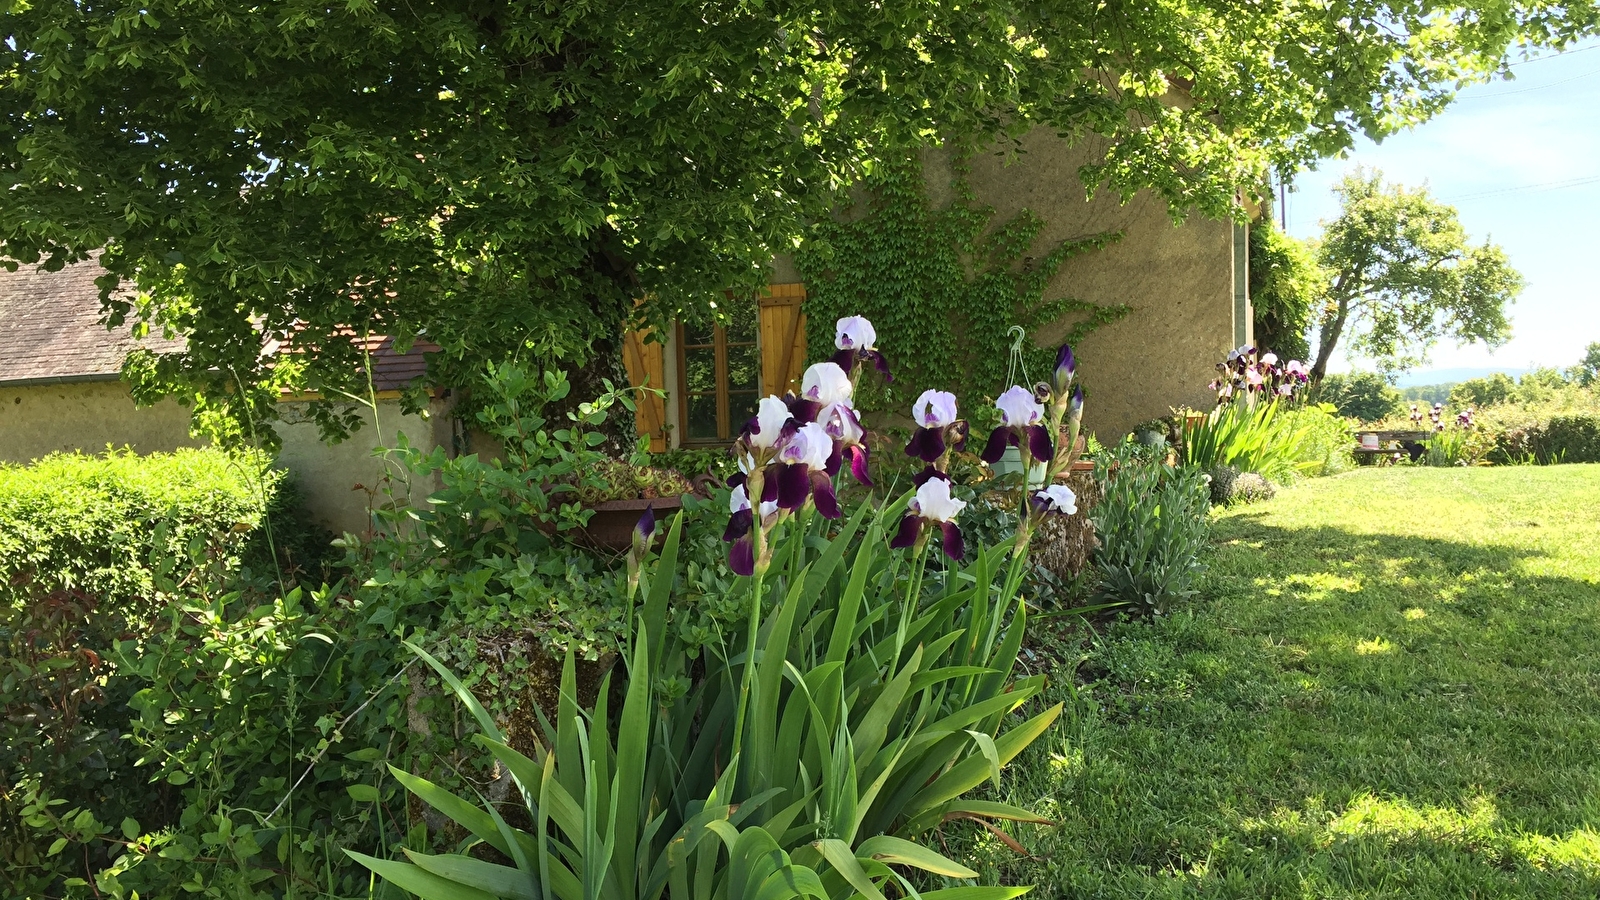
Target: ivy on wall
x,y
941,286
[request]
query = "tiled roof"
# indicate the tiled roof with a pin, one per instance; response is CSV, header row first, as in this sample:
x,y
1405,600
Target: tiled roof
x,y
391,370
50,330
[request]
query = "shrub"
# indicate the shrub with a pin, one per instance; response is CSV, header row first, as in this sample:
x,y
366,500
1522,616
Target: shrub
x,y
1323,442
105,524
1558,439
94,549
1366,396
1152,524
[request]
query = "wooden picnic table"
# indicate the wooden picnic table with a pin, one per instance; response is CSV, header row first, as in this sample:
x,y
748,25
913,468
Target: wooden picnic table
x,y
1401,436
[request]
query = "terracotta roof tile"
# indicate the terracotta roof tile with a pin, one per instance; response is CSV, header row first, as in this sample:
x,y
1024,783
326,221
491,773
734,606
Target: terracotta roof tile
x,y
50,329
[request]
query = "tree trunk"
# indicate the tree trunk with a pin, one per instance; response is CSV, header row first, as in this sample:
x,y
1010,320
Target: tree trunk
x,y
1332,329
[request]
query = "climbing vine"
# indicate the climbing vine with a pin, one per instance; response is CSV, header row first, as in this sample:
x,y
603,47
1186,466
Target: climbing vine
x,y
941,286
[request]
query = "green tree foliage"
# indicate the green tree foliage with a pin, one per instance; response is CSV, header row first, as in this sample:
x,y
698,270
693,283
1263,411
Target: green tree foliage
x,y
1360,395
1403,274
510,178
1587,371
1427,393
1487,391
1284,285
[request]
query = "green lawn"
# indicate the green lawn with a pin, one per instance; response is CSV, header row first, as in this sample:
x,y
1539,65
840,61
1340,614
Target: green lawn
x,y
1390,689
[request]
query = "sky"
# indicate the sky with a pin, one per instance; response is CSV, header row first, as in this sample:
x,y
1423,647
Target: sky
x,y
1520,161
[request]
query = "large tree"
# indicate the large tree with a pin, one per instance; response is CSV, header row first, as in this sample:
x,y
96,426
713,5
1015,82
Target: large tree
x,y
1402,273
509,178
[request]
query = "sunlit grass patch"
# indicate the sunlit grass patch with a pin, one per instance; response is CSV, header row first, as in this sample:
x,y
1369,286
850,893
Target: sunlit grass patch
x,y
1391,689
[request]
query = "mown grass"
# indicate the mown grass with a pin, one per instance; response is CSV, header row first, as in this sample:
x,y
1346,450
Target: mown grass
x,y
1391,689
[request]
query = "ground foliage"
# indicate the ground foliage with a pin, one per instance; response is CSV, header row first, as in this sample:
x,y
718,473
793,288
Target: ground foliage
x,y
509,179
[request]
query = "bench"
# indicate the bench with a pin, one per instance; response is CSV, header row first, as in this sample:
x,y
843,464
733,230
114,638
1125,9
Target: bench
x,y
1410,442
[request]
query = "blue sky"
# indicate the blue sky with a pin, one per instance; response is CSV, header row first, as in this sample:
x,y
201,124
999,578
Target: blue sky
x,y
1520,160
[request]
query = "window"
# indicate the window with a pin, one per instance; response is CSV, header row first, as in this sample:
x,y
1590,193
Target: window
x,y
719,375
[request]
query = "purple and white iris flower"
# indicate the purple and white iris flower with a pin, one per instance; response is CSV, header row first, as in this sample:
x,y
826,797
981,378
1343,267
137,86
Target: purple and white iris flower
x,y
741,530
1057,498
856,339
772,423
935,415
1020,418
933,507
802,471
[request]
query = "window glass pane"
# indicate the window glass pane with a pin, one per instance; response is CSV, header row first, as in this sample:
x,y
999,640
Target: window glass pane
x,y
702,424
744,368
741,409
742,320
699,332
699,370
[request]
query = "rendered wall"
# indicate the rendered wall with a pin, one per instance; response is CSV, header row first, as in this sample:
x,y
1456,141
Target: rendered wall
x,y
341,482
37,420
1178,279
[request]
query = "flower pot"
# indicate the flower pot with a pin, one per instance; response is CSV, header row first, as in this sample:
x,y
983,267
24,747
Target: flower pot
x,y
1010,463
611,526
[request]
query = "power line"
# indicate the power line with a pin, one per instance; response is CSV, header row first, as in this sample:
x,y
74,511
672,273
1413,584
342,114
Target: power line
x,y
1537,87
1542,186
1535,59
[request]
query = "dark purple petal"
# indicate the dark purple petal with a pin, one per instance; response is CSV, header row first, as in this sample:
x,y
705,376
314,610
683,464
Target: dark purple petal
x,y
927,444
928,474
858,463
835,459
737,479
742,556
1065,364
954,546
844,359
999,440
646,528
879,363
802,410
1039,443
794,485
910,527
769,485
739,525
822,495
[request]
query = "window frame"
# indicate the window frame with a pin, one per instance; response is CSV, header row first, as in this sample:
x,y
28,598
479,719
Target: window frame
x,y
727,430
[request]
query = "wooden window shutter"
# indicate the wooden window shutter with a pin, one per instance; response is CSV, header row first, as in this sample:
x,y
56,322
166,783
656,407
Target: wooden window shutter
x,y
644,361
783,339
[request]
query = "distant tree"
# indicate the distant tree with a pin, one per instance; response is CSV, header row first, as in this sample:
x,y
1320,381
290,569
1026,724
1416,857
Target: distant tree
x,y
1285,283
1367,396
1487,391
1402,274
1587,371
1427,393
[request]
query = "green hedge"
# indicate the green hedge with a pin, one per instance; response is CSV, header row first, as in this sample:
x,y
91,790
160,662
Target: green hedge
x,y
103,524
1558,439
94,549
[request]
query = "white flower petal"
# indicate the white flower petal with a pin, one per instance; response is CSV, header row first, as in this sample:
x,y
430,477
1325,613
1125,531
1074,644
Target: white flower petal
x,y
933,501
826,383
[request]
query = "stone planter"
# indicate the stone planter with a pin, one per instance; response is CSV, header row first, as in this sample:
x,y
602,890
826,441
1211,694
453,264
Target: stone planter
x,y
611,526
